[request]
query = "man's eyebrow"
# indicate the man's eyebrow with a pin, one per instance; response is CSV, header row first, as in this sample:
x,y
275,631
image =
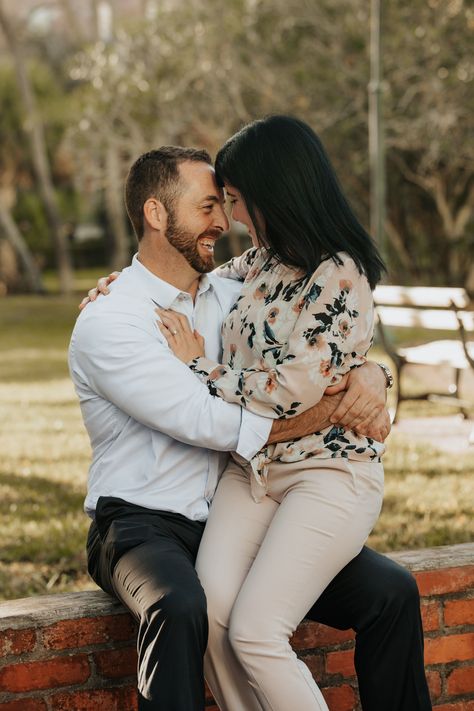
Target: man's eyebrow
x,y
212,198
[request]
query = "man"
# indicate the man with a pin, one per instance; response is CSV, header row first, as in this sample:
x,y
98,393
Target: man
x,y
159,441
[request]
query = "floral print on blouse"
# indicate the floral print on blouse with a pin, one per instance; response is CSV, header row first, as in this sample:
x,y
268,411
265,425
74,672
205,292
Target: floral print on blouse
x,y
286,339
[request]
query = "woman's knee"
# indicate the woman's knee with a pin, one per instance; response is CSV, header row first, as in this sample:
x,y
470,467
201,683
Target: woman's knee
x,y
219,599
241,638
249,633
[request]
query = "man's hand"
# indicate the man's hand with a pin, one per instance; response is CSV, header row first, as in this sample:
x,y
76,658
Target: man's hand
x,y
364,398
379,429
319,417
357,403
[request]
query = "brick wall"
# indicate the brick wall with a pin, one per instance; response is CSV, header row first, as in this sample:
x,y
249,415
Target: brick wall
x,y
76,652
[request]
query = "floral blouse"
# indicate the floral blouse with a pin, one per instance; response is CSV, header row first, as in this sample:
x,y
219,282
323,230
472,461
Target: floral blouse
x,y
286,339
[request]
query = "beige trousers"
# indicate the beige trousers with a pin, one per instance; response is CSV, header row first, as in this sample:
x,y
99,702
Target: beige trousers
x,y
263,565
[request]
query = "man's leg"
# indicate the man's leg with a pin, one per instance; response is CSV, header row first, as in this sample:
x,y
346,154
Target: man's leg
x,y
147,560
379,600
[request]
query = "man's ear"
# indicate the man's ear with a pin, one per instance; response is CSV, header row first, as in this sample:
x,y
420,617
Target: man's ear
x,y
155,215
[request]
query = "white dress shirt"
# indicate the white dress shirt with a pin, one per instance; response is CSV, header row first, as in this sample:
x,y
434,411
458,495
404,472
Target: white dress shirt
x,y
159,439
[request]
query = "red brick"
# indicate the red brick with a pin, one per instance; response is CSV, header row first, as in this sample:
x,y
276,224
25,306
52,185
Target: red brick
x,y
207,693
24,705
459,612
16,642
104,699
340,698
430,616
116,663
310,635
74,634
438,582
340,663
315,663
45,674
456,706
434,683
455,647
461,681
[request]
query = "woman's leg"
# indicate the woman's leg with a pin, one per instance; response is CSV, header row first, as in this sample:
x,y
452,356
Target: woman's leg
x,y
325,515
232,537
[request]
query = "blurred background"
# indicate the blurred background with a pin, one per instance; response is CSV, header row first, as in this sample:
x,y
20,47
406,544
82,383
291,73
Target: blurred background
x,y
85,87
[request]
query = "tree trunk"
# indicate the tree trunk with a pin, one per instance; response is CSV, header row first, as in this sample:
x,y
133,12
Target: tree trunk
x,y
36,138
15,239
455,220
115,207
75,24
397,242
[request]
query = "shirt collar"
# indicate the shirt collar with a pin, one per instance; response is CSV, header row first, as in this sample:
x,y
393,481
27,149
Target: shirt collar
x,y
220,286
162,292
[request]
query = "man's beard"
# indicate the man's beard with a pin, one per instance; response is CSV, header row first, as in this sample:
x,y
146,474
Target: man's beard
x,y
187,244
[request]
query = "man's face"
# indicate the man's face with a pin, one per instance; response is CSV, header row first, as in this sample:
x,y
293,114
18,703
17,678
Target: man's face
x,y
197,218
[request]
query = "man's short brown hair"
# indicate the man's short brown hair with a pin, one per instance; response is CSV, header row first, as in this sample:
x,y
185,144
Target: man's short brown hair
x,y
156,174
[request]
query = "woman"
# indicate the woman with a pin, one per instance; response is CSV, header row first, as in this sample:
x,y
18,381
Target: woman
x,y
304,318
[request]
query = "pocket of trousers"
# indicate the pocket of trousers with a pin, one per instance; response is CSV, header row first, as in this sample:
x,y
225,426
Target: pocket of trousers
x,y
122,536
103,553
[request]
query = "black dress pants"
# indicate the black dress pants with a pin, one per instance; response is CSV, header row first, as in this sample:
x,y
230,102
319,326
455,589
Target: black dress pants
x,y
379,600
146,559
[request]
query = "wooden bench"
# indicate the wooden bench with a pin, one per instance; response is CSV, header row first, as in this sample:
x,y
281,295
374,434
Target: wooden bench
x,y
427,309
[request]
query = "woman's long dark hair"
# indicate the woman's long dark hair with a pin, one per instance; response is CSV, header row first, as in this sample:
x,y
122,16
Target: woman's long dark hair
x,y
283,173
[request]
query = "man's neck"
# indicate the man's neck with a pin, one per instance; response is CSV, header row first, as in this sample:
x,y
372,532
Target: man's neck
x,y
176,272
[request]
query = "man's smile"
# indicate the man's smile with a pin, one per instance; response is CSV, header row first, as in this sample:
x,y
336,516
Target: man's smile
x,y
207,243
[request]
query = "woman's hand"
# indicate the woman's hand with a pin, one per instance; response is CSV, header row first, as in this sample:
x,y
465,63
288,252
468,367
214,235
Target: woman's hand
x,y
101,288
185,343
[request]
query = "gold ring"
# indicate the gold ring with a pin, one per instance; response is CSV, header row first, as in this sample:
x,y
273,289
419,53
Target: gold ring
x,y
174,332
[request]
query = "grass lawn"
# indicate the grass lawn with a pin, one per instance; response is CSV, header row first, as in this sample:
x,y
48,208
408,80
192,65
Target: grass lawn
x,y
44,456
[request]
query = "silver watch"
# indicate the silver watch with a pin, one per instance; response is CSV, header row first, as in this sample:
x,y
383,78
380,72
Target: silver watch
x,y
388,375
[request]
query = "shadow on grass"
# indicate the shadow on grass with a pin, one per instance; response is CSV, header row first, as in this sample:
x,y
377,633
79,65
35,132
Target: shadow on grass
x,y
42,520
39,371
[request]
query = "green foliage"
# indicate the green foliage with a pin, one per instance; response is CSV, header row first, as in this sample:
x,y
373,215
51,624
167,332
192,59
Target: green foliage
x,y
170,78
30,217
10,124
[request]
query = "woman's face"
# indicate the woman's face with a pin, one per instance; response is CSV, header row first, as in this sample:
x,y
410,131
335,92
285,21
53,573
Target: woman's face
x,y
239,212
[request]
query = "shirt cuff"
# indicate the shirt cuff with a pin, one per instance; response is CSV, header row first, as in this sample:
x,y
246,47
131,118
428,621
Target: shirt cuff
x,y
203,367
254,434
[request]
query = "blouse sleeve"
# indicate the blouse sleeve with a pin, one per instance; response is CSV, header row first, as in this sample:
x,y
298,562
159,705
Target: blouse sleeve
x,y
238,267
332,334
